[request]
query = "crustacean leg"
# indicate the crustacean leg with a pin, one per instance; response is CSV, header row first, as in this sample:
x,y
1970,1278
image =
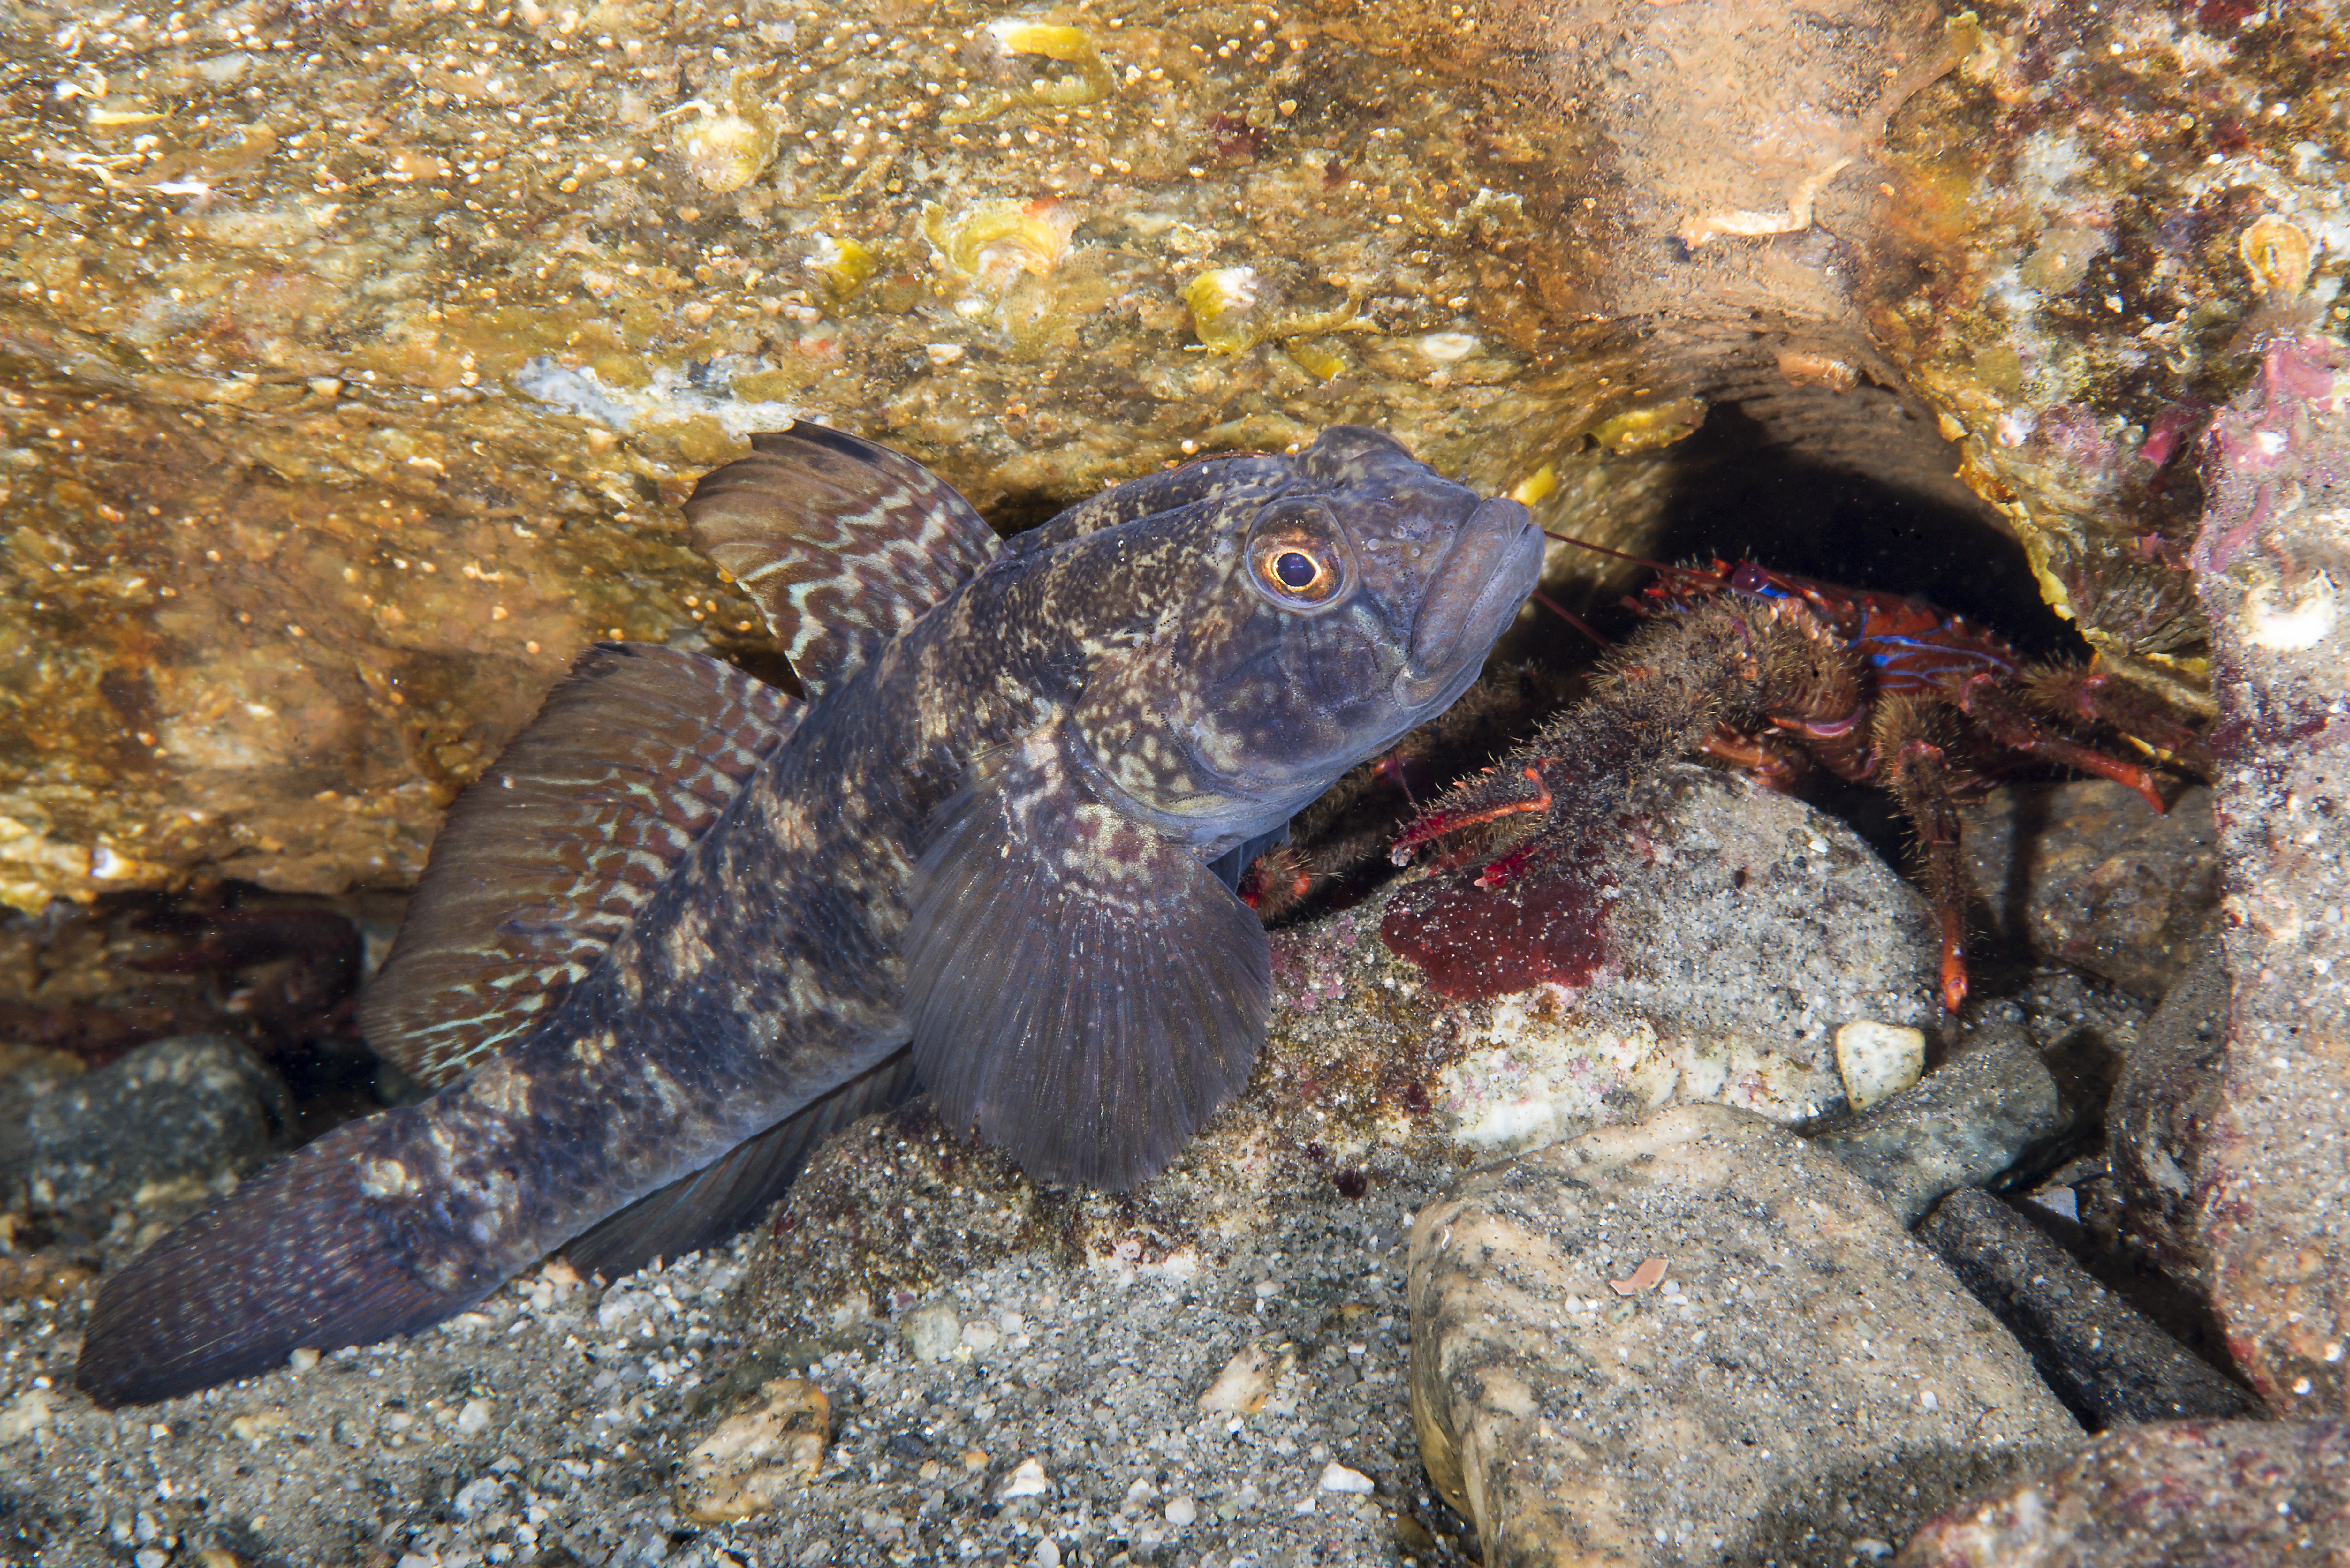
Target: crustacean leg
x,y
2083,694
1658,697
1917,773
1985,700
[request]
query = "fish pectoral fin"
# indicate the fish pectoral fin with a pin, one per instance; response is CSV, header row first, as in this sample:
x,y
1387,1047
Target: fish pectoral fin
x,y
841,543
552,853
300,1257
1082,990
721,1198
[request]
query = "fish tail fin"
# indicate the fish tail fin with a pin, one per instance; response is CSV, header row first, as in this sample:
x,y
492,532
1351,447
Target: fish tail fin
x,y
300,1257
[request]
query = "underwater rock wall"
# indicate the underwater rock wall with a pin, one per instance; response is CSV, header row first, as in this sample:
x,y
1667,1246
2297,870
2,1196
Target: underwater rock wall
x,y
356,356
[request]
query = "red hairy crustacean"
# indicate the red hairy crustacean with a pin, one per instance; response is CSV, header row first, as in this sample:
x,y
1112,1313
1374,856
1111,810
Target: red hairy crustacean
x,y
1776,674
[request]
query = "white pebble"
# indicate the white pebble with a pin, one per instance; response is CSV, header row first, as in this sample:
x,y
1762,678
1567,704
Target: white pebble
x,y
2305,624
303,1360
1048,1553
1878,1060
1181,1511
1337,1476
933,1332
1027,1480
474,1418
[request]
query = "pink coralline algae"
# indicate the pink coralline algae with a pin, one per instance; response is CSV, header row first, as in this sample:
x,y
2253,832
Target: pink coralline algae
x,y
1309,963
2264,452
2272,564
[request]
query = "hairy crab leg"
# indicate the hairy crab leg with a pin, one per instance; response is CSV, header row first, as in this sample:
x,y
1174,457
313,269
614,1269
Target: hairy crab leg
x,y
1919,775
1980,698
1436,824
2090,696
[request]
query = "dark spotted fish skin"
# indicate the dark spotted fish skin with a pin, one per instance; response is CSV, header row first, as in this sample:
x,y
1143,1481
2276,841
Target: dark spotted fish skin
x,y
989,837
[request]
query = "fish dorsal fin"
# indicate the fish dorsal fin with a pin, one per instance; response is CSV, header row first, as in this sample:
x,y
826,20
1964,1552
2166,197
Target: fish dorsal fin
x,y
1080,989
842,544
546,860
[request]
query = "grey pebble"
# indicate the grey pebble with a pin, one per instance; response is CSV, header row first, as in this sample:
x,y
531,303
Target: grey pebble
x,y
187,1109
1961,1126
933,1332
2105,1360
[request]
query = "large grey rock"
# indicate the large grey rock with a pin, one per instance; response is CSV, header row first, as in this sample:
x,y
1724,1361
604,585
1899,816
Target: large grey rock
x,y
1959,1125
2209,1494
174,1112
2105,1360
2167,1091
2089,875
1701,1338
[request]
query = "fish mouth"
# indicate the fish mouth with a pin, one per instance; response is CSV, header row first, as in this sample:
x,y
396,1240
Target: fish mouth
x,y
1494,563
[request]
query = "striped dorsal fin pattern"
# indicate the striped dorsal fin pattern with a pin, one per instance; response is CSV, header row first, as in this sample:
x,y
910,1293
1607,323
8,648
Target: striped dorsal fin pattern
x,y
841,543
546,860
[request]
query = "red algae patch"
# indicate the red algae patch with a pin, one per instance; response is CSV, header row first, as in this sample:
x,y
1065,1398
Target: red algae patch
x,y
1473,942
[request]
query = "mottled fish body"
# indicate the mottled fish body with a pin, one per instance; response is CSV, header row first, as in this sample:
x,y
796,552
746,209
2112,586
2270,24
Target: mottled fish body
x,y
686,927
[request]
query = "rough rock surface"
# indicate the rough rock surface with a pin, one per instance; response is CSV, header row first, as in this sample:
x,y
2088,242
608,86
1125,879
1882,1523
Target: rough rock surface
x,y
184,1113
2103,883
2107,1362
354,350
1962,1124
1699,1338
2156,1119
1745,928
2218,1494
2274,1180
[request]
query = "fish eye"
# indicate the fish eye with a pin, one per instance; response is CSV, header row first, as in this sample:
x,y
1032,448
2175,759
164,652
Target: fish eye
x,y
1298,555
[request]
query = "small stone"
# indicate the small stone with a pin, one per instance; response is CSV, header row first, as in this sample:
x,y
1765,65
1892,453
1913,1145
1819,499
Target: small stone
x,y
2267,1493
474,1418
2108,1364
2166,1095
150,1557
2093,877
933,1332
28,1412
42,1277
1048,1553
170,1116
477,1496
302,1360
1026,1479
1961,1126
1242,1387
258,1426
1771,1395
1337,1476
755,1457
1878,1060
1181,1511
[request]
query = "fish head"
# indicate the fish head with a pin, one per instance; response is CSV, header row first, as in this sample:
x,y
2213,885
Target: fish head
x,y
1284,631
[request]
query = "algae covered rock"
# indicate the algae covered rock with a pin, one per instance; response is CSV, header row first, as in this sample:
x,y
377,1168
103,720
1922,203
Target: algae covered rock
x,y
357,355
